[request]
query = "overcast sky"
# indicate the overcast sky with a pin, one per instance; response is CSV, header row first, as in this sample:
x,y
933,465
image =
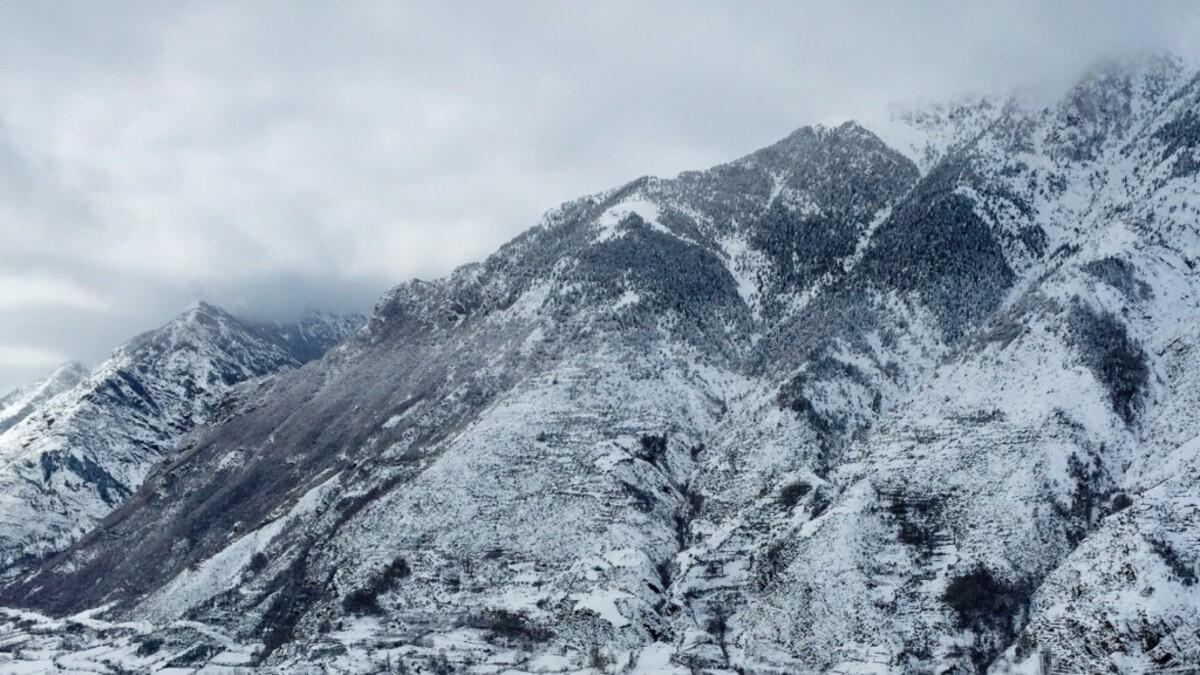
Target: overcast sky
x,y
273,158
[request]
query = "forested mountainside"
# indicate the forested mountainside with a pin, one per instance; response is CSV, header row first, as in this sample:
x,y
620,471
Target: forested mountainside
x,y
84,442
835,406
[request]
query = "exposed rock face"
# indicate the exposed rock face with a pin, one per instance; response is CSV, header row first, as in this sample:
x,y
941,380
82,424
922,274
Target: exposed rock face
x,y
74,457
832,407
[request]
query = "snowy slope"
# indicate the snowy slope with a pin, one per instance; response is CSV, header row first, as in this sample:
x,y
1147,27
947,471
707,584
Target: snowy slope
x,y
20,403
1030,433
831,407
75,457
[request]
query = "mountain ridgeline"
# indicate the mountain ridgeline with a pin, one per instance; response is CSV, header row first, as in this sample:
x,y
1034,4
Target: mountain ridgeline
x,y
22,402
85,441
846,404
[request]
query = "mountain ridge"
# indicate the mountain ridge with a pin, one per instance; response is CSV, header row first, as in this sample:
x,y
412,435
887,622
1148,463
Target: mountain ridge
x,y
22,401
78,454
820,409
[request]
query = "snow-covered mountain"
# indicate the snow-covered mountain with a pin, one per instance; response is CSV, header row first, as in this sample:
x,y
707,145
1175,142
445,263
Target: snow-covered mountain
x,y
832,407
21,402
85,441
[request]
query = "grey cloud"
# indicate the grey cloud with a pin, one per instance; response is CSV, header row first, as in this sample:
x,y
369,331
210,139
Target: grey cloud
x,y
277,156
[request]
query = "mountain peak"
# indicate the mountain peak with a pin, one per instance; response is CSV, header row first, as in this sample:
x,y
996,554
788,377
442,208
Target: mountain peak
x,y
67,460
202,308
23,401
68,370
797,146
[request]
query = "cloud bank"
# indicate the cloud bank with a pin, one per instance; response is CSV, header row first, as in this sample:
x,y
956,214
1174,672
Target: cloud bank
x,y
276,157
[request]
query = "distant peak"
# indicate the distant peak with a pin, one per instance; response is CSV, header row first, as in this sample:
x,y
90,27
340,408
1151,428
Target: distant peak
x,y
1150,76
200,308
1146,64
806,139
68,368
851,128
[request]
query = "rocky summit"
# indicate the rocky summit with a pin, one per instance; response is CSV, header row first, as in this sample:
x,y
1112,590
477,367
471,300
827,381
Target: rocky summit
x,y
918,403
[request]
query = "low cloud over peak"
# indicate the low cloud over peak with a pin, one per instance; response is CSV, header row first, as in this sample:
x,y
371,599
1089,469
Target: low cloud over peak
x,y
282,157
